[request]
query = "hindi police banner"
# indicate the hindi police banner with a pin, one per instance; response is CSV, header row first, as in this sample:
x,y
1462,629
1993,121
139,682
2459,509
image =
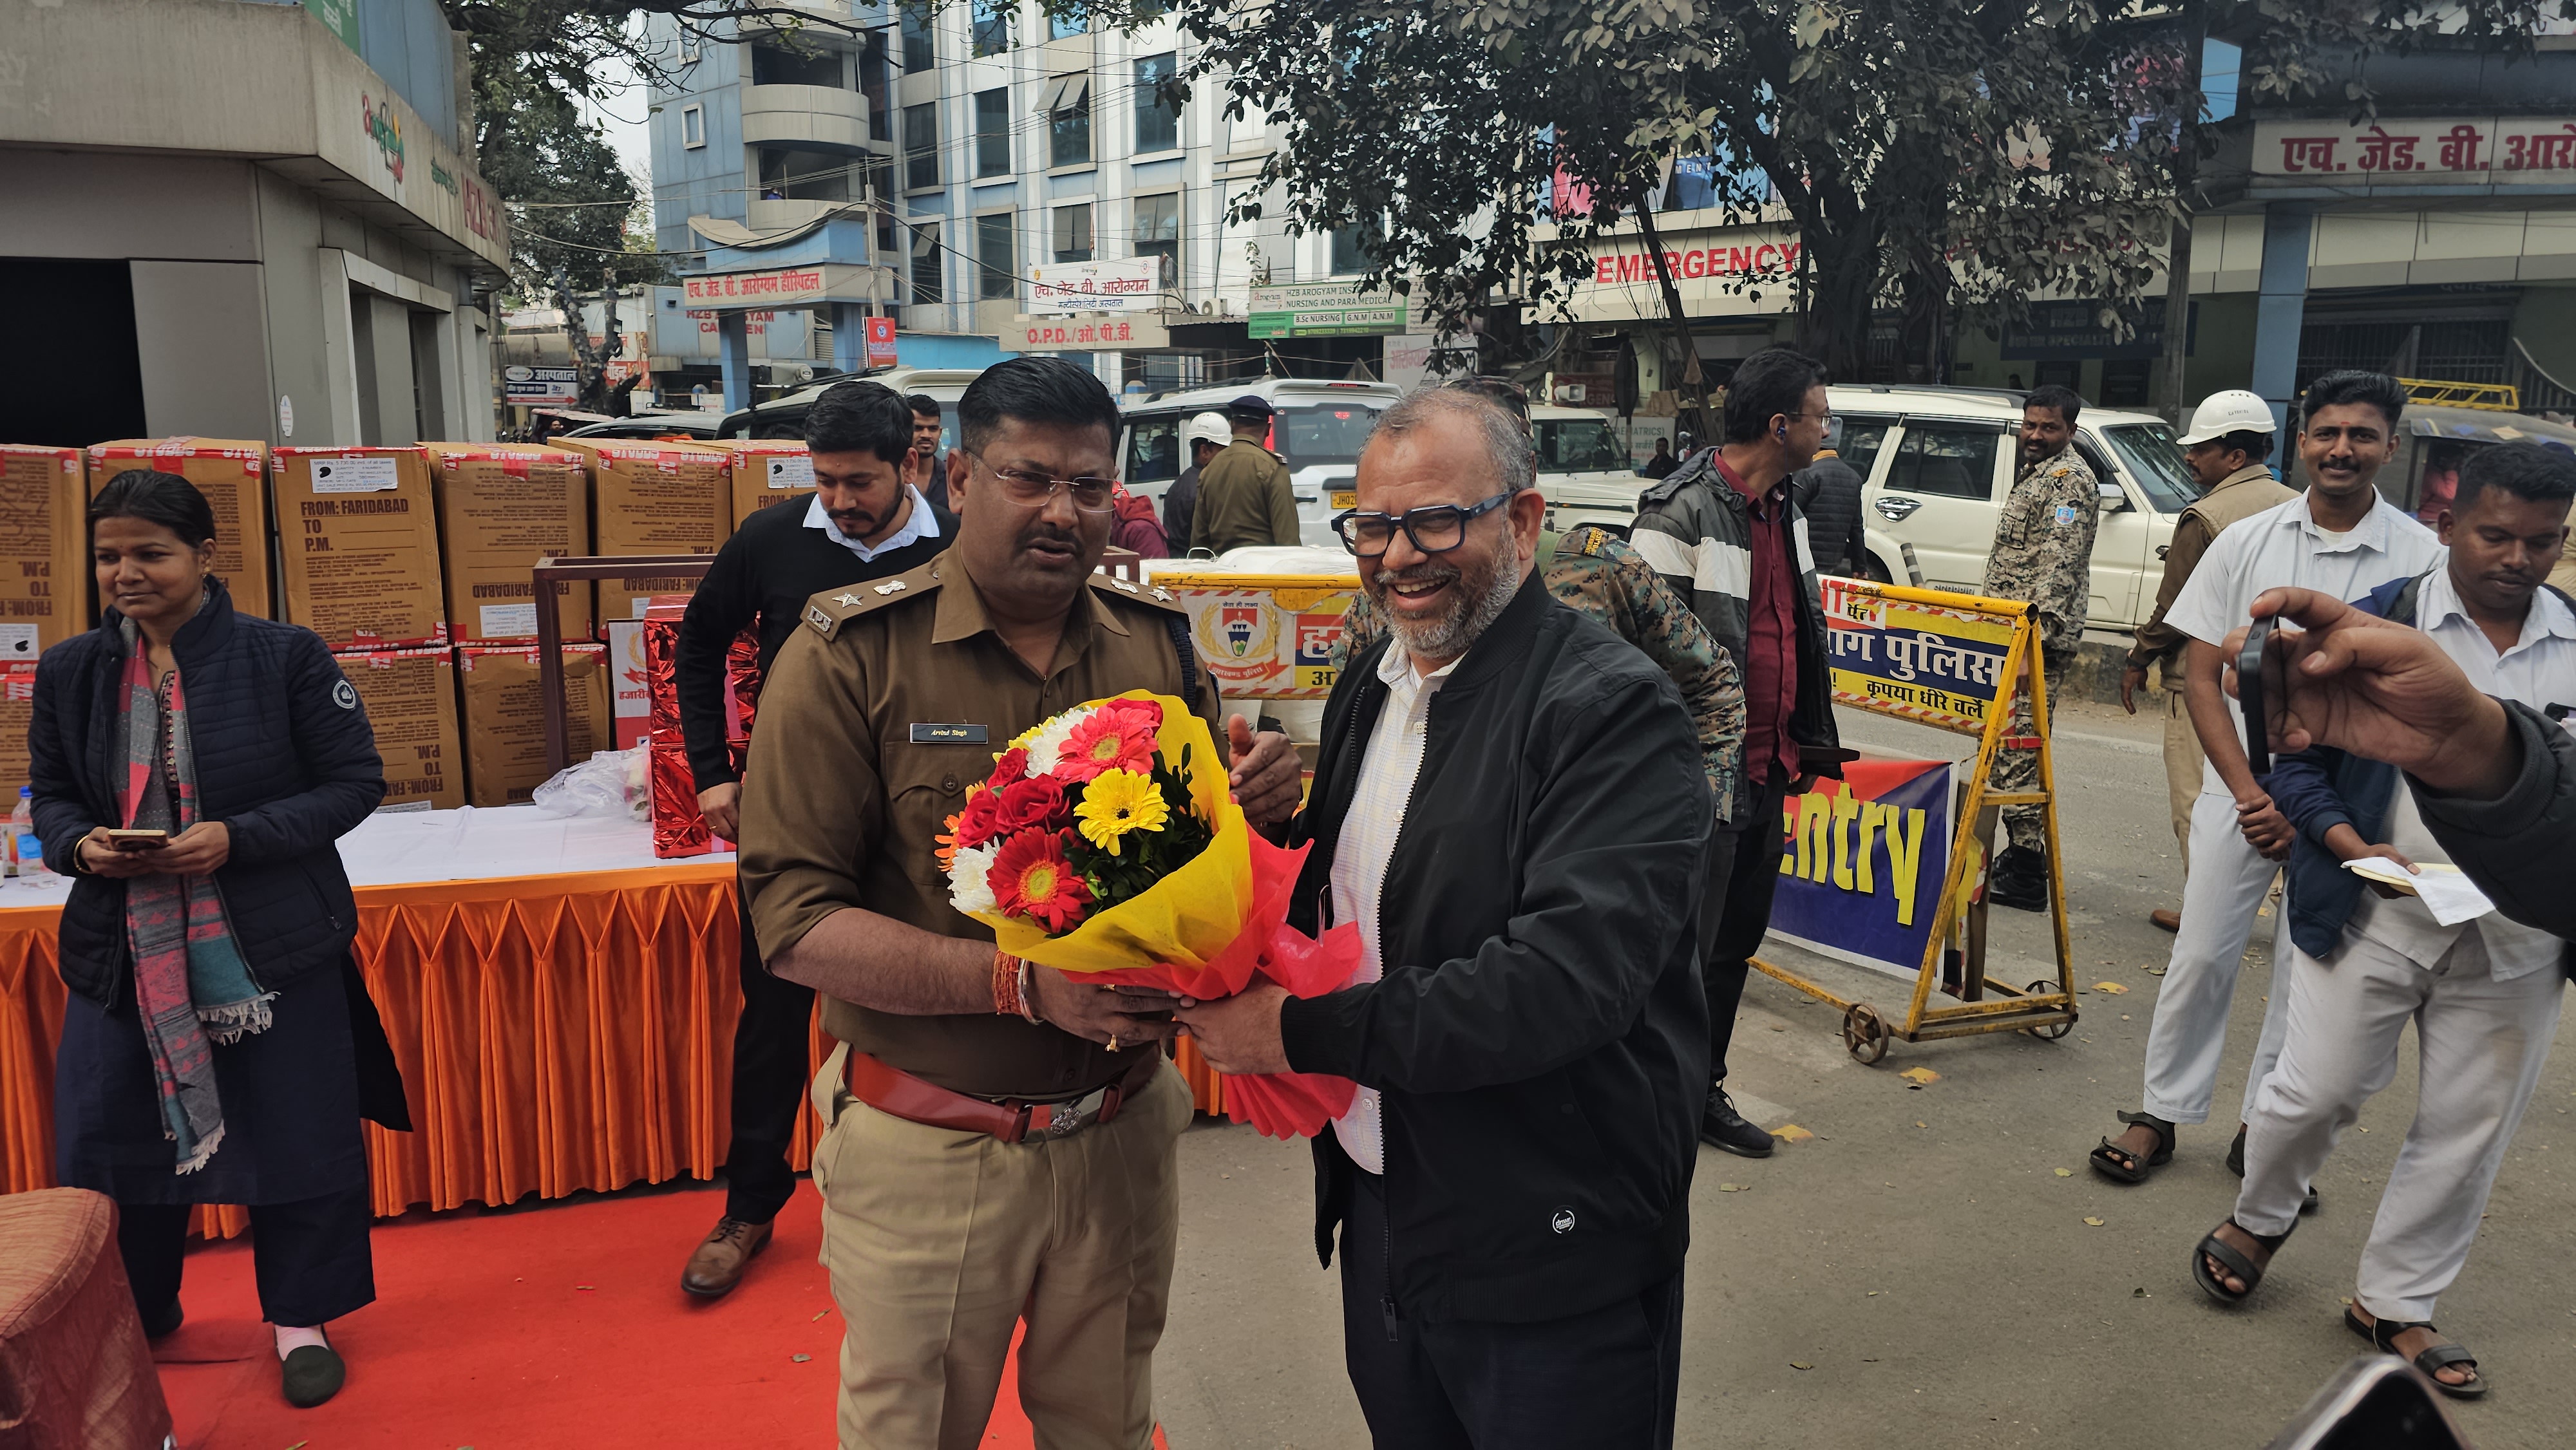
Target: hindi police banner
x,y
1860,878
1929,662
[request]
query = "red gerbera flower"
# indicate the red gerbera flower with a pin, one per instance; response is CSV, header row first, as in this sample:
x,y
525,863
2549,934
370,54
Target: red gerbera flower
x,y
1112,739
1032,880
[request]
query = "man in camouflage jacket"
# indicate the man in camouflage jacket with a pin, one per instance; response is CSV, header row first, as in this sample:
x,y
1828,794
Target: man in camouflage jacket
x,y
1594,570
2043,555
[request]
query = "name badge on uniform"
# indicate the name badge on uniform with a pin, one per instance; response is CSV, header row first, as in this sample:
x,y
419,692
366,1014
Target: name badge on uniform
x,y
949,735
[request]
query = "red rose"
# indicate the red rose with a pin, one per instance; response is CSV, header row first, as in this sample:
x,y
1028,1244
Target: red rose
x,y
980,821
1008,768
1036,802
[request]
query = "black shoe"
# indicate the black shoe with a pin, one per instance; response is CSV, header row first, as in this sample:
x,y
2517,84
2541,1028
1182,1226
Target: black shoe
x,y
312,1374
1721,1126
165,1323
2236,1165
2021,893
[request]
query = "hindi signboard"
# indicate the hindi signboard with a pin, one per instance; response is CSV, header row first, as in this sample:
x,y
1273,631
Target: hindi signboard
x,y
783,287
1900,653
536,387
1130,284
1323,309
1861,879
1092,334
2476,150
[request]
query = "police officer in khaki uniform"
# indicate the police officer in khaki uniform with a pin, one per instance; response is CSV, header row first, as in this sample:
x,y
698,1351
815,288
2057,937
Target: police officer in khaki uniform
x,y
1001,1138
1245,498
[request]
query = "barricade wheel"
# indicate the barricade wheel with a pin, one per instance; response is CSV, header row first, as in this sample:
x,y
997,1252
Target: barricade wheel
x,y
2048,1031
1865,1034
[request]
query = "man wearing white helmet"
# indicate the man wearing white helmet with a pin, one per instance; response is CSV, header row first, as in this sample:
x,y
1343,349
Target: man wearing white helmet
x,y
1205,436
2225,445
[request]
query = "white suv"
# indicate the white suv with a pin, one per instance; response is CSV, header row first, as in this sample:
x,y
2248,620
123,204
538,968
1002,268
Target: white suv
x,y
1319,431
1937,464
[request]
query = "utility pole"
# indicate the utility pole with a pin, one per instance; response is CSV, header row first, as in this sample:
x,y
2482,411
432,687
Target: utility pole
x,y
2186,161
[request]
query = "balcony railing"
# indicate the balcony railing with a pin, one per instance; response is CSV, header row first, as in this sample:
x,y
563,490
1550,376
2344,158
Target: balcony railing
x,y
805,116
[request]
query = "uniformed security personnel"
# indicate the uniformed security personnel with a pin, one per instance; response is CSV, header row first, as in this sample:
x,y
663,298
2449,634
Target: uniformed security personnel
x,y
1000,1140
2043,555
1244,494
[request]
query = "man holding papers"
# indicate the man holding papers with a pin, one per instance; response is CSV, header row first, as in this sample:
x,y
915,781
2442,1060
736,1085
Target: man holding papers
x,y
2483,992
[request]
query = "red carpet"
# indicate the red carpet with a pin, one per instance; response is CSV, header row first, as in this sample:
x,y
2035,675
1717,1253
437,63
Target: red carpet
x,y
555,1326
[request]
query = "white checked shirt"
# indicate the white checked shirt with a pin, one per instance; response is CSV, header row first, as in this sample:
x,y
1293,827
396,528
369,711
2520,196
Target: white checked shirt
x,y
1388,765
2282,547
2540,671
921,523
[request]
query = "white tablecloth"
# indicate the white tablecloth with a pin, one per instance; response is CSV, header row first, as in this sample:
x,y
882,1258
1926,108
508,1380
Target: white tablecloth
x,y
396,848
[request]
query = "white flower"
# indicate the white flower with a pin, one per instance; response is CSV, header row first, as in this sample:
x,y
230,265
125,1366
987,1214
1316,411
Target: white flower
x,y
970,887
1046,744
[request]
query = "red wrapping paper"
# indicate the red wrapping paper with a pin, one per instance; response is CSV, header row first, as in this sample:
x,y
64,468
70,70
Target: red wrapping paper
x,y
661,677
1280,1104
678,829
742,674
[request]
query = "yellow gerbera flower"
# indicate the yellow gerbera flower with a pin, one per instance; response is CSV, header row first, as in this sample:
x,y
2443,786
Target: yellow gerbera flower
x,y
1117,802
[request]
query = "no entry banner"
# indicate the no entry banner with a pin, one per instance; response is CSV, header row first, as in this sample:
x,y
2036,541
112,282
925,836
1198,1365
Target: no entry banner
x,y
1863,862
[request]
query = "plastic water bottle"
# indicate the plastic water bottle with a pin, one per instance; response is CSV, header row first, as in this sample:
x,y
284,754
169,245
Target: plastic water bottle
x,y
26,853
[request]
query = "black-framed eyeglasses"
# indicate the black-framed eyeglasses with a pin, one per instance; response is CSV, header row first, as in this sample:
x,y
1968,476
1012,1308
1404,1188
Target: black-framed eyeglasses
x,y
1032,489
1434,528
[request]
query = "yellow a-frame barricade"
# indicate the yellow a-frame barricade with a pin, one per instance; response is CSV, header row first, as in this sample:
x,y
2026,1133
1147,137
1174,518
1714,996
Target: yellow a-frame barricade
x,y
2042,1008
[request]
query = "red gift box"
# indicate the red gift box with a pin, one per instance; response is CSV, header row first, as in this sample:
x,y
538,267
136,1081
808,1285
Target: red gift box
x,y
678,829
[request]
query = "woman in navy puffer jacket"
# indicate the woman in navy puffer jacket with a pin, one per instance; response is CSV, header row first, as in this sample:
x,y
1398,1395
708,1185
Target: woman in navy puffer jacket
x,y
217,1032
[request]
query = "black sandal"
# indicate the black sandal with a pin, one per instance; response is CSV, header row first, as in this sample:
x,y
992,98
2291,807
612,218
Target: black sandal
x,y
2115,1162
2236,1165
2214,1247
2382,1333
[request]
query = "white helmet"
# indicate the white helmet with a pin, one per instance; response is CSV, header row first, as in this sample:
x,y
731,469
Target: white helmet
x,y
2233,411
1209,428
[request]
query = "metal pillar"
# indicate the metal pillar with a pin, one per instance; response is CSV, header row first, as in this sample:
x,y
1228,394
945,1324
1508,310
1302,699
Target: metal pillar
x,y
733,344
2281,309
850,337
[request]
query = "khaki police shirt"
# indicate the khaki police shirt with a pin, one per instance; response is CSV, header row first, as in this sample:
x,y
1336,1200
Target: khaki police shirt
x,y
1245,498
896,695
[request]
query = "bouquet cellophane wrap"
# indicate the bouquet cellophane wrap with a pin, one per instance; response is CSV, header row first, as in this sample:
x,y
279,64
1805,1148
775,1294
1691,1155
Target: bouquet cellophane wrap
x,y
1207,929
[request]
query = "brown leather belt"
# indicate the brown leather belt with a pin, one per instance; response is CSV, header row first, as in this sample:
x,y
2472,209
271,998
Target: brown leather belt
x,y
892,1090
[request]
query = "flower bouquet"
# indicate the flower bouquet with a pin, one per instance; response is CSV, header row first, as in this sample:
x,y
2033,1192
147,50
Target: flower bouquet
x,y
1106,844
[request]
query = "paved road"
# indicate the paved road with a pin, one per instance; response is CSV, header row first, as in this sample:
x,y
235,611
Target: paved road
x,y
1922,1254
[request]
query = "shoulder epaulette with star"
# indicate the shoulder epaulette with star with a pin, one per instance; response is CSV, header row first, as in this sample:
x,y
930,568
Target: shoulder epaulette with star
x,y
826,612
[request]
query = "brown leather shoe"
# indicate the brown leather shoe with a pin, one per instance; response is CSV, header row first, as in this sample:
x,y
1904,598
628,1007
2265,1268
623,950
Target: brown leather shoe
x,y
718,1264
2165,920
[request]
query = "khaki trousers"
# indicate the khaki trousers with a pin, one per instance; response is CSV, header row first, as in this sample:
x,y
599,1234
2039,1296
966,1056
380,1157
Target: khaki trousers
x,y
940,1243
2183,762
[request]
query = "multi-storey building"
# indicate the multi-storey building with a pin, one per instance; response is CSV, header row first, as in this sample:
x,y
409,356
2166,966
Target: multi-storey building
x,y
917,164
244,220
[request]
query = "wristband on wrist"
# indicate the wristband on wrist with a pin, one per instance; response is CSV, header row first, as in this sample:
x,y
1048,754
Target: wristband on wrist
x,y
1006,984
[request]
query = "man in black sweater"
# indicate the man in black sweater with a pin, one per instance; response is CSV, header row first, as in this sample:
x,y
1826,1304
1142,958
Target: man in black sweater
x,y
863,521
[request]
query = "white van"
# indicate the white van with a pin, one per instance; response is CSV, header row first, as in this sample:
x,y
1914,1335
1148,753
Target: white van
x,y
1937,464
1319,431
1583,472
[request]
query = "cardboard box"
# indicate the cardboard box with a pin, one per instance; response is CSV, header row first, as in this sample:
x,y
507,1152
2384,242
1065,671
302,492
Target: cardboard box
x,y
44,550
630,685
233,475
410,695
505,722
767,471
654,497
502,507
17,707
358,543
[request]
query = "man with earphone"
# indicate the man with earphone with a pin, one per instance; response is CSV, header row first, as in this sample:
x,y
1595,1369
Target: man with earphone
x,y
1725,531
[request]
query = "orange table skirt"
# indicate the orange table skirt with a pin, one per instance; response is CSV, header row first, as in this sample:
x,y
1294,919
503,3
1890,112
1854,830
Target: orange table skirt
x,y
556,1033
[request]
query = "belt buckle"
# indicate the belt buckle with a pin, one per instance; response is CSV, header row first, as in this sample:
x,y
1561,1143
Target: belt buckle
x,y
1066,1119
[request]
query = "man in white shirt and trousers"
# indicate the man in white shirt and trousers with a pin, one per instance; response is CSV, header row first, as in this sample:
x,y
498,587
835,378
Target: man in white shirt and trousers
x,y
2483,992
2340,538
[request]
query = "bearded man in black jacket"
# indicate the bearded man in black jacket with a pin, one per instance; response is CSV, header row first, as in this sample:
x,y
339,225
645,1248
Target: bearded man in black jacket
x,y
1510,804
